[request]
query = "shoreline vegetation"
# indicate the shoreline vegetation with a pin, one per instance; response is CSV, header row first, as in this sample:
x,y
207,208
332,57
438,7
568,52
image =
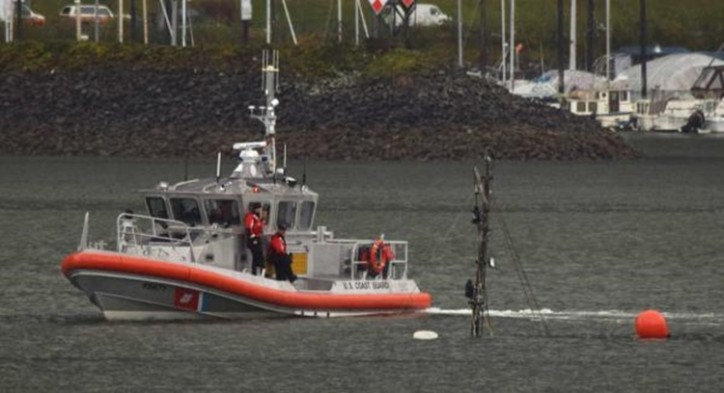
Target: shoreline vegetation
x,y
337,102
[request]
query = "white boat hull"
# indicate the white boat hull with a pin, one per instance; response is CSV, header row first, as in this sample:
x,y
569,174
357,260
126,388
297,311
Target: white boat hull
x,y
668,123
715,125
134,288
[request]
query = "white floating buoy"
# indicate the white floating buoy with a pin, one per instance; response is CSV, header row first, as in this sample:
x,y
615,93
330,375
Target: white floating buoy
x,y
424,335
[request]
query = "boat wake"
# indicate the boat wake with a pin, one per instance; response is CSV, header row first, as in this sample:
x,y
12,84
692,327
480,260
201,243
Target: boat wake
x,y
578,314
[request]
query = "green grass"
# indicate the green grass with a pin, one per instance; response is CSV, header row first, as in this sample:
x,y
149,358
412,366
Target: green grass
x,y
696,24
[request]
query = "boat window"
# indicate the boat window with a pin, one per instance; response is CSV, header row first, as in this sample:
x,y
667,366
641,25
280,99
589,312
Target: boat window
x,y
286,211
593,107
580,107
157,207
223,211
306,215
186,210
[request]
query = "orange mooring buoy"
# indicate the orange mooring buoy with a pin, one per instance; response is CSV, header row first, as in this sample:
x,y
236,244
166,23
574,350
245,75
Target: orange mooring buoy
x,y
651,324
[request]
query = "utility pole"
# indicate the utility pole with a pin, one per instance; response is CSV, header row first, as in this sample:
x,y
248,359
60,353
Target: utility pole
x,y
77,21
268,22
339,21
120,21
246,12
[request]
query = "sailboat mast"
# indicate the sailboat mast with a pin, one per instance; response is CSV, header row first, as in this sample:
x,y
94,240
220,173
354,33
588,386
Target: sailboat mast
x,y
503,49
511,45
608,40
572,57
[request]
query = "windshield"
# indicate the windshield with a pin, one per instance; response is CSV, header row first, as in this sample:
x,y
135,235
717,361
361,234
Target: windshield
x,y
186,210
157,207
223,211
286,212
306,215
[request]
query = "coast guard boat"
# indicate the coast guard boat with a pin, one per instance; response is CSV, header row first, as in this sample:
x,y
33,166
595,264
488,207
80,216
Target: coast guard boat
x,y
187,259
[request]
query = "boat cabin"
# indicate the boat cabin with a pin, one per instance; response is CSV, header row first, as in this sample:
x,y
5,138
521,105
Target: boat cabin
x,y
224,203
611,108
599,102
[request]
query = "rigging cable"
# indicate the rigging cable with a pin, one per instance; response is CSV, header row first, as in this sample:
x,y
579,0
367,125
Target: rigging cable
x,y
523,277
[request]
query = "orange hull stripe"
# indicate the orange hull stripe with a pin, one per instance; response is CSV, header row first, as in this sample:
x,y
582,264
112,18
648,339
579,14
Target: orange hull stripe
x,y
300,300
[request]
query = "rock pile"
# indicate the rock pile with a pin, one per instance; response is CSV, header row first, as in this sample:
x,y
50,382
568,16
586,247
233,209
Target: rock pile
x,y
143,112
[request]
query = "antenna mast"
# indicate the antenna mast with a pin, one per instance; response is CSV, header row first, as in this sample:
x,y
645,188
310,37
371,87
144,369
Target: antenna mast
x,y
265,114
477,294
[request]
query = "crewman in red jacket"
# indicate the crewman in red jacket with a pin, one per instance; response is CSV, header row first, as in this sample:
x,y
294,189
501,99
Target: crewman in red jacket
x,y
254,226
277,253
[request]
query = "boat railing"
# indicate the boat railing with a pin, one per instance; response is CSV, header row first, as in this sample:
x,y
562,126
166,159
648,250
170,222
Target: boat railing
x,y
139,232
397,269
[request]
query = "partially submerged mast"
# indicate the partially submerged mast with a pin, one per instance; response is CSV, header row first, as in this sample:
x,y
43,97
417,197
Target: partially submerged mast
x,y
477,294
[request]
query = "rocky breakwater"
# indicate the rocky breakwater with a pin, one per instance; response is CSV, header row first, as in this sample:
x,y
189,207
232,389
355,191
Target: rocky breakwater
x,y
143,112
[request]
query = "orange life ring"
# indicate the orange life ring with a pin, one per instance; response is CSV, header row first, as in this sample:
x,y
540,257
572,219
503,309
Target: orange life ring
x,y
380,254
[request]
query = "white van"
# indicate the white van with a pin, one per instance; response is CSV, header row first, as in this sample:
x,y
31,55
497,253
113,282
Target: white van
x,y
87,13
422,15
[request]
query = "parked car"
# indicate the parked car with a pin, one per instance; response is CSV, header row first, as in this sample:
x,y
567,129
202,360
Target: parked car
x,y
87,13
422,15
31,17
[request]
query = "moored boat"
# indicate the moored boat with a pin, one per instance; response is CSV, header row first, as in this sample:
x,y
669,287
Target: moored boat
x,y
715,122
187,257
611,108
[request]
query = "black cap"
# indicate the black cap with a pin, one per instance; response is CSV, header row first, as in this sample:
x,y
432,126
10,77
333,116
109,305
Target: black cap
x,y
282,227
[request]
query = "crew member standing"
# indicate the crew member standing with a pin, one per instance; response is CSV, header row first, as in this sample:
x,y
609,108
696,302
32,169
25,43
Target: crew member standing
x,y
278,255
254,226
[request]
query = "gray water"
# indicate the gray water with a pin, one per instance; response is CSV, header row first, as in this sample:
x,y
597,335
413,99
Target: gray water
x,y
599,242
